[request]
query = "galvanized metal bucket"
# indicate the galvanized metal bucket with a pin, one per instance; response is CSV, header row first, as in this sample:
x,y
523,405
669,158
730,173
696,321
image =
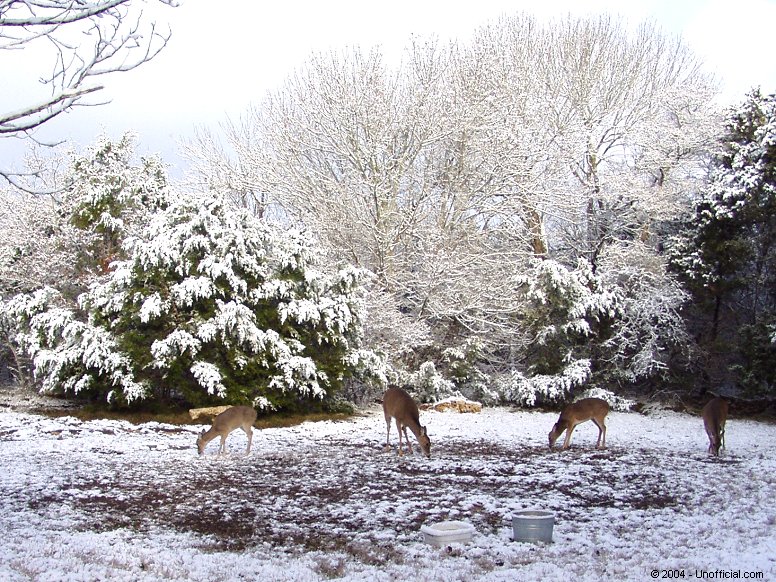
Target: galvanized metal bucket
x,y
533,525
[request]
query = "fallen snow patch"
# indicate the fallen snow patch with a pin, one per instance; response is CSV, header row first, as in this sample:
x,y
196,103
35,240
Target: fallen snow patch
x,y
112,500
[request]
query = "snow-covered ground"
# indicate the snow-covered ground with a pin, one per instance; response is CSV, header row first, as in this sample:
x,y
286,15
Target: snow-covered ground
x,y
109,500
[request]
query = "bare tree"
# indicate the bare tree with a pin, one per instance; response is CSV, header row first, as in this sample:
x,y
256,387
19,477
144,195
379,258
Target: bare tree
x,y
342,143
637,108
382,164
448,175
85,41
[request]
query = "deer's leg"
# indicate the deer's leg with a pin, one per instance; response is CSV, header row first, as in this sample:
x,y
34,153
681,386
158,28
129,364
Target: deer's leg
x,y
567,440
714,443
388,432
407,439
601,444
398,429
249,431
222,448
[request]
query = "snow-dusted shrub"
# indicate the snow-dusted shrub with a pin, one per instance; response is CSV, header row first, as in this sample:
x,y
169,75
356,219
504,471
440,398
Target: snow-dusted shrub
x,y
515,388
565,310
14,319
429,385
110,197
210,304
68,240
213,303
392,329
187,297
37,245
70,237
370,373
69,354
463,369
623,320
649,324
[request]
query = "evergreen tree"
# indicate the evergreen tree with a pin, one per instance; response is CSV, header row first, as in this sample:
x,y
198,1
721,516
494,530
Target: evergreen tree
x,y
211,305
67,242
728,257
109,198
189,298
568,312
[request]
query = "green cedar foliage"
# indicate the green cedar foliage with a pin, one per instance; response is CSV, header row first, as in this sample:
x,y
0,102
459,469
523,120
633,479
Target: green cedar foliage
x,y
727,259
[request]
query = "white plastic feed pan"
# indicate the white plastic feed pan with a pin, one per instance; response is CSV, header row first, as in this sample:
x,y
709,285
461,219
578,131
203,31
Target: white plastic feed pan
x,y
533,525
447,532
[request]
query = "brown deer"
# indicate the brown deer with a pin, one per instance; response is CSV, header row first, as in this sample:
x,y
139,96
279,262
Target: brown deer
x,y
399,405
577,412
714,417
223,424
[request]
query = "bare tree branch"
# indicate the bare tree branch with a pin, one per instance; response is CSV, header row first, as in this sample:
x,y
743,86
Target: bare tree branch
x,y
117,40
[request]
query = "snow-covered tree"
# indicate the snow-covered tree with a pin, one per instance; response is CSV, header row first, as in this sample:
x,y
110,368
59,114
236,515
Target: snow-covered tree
x,y
516,388
567,312
447,175
429,385
636,121
616,326
464,367
109,199
210,304
68,353
649,333
182,296
79,43
31,243
68,239
728,256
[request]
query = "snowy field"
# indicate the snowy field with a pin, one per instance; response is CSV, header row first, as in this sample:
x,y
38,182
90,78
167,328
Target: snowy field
x,y
108,500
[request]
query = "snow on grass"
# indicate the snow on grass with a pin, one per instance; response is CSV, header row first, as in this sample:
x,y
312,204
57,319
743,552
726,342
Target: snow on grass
x,y
112,500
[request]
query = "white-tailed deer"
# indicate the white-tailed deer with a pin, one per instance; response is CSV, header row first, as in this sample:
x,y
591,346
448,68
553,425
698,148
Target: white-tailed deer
x,y
223,424
580,411
399,405
714,417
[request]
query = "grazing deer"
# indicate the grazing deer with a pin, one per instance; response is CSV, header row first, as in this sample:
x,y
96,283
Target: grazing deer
x,y
223,424
580,411
399,405
714,417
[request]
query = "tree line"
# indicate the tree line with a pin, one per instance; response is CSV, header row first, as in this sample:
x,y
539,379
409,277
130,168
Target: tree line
x,y
541,210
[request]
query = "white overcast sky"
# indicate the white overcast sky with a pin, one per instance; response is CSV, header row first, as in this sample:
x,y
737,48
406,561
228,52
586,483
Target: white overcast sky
x,y
225,55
